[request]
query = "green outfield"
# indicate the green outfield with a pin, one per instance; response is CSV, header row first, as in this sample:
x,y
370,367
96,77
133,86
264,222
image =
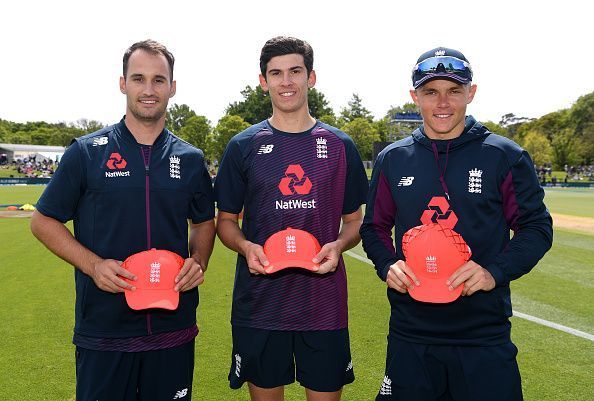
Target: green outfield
x,y
37,298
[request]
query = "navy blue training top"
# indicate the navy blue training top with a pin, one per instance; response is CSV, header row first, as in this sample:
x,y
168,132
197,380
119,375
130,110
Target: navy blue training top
x,y
492,188
302,180
125,198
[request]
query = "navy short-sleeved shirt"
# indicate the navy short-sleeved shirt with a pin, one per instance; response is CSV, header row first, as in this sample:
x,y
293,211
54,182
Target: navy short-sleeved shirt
x,y
302,180
124,198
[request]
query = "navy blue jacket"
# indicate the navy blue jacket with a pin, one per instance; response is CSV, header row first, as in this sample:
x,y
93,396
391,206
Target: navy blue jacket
x,y
125,198
492,188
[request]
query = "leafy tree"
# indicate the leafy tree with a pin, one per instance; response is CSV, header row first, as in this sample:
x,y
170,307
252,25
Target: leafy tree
x,y
195,131
64,136
409,107
496,128
511,123
88,126
21,137
41,136
4,131
318,105
254,107
364,134
228,126
539,147
582,114
401,129
355,109
178,116
383,128
564,144
329,119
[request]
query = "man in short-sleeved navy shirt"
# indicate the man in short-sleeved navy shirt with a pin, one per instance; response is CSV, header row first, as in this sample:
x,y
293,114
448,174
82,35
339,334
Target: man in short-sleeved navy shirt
x,y
290,171
131,187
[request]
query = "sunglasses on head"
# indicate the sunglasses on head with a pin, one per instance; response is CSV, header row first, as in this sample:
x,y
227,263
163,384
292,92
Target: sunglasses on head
x,y
442,64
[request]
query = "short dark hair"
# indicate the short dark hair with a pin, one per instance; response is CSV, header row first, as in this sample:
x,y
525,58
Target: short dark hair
x,y
282,45
152,47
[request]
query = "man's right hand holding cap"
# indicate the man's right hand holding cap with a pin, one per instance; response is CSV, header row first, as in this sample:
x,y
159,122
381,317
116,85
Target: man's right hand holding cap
x,y
256,259
401,277
107,275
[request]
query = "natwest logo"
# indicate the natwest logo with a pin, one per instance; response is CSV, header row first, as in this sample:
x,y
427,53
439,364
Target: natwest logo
x,y
438,211
295,181
116,162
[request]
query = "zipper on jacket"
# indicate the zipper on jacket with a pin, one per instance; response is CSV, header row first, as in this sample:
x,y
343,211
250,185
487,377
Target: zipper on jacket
x,y
442,172
146,156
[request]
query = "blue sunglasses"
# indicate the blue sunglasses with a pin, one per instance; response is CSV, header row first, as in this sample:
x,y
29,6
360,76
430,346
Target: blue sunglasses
x,y
442,66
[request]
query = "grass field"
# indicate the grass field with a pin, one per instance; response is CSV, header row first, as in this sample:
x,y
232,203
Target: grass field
x,y
37,299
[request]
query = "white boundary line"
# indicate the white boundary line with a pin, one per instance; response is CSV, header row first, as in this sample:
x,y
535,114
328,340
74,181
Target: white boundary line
x,y
521,315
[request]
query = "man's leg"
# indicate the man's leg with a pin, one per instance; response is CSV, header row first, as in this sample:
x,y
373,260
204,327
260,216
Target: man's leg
x,y
324,363
412,374
322,396
264,359
266,394
486,374
106,375
167,374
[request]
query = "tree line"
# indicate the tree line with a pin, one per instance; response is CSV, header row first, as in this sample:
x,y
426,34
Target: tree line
x,y
563,137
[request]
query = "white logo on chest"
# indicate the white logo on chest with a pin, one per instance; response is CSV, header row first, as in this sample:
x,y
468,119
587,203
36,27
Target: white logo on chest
x,y
175,167
475,181
321,148
405,181
265,149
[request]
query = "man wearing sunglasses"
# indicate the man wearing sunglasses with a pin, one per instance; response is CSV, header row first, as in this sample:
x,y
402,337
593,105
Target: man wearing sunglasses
x,y
454,172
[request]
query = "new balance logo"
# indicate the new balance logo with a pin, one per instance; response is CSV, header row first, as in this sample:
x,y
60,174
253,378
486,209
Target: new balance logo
x,y
180,394
386,388
102,140
264,149
405,181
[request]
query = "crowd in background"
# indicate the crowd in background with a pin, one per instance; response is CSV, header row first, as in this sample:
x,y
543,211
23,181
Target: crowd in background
x,y
572,173
31,167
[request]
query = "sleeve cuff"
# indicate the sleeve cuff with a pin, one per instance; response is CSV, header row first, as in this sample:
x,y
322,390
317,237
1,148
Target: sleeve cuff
x,y
383,273
498,274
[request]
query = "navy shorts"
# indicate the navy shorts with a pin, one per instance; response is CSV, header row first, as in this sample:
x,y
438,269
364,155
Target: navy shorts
x,y
158,375
421,372
320,360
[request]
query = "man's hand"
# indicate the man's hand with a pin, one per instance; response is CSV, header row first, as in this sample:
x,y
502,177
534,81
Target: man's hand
x,y
401,277
191,275
256,259
107,275
473,276
328,258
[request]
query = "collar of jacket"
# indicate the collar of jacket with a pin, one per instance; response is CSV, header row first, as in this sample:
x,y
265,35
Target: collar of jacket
x,y
473,130
127,136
